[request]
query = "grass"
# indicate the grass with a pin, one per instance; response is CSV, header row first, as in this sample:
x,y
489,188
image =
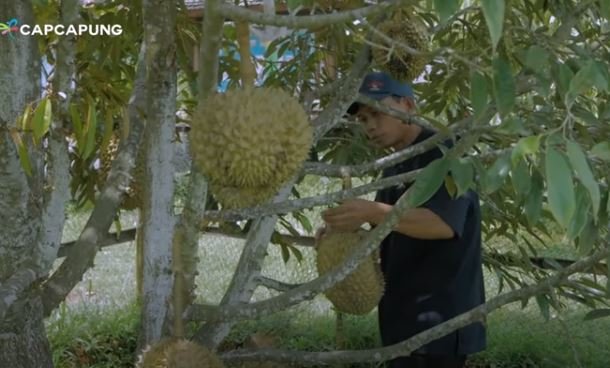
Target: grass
x,y
106,339
97,325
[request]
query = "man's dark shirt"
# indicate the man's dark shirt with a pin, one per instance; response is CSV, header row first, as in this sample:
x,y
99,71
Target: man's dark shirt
x,y
431,281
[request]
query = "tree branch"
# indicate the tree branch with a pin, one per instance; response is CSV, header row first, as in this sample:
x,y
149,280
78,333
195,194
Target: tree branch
x,y
80,259
275,284
307,21
11,289
340,170
288,206
406,347
58,176
310,289
250,263
344,98
327,170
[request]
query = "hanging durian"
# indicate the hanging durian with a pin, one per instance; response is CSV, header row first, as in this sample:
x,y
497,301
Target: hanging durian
x,y
254,139
405,28
240,197
361,290
178,353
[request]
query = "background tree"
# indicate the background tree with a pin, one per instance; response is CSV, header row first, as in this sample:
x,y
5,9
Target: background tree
x,y
523,84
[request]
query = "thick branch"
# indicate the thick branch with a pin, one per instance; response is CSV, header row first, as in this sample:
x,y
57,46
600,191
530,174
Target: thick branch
x,y
308,21
11,289
58,164
80,259
275,284
310,289
344,98
288,206
406,347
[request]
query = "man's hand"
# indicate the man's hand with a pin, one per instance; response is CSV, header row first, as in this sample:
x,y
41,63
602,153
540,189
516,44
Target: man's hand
x,y
318,235
350,215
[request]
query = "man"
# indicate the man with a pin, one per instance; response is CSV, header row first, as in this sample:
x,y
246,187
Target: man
x,y
432,260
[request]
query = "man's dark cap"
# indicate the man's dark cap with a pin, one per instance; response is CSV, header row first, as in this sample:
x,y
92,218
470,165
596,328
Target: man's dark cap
x,y
379,85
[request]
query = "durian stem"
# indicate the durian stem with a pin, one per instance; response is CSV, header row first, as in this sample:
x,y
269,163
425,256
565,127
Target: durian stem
x,y
246,68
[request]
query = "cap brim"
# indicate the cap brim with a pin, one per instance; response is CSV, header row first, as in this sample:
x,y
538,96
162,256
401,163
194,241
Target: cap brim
x,y
374,96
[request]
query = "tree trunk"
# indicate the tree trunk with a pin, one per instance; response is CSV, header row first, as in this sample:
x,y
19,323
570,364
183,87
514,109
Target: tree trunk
x,y
158,221
23,341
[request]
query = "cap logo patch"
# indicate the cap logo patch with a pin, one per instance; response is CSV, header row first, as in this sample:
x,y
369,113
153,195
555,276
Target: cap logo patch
x,y
375,85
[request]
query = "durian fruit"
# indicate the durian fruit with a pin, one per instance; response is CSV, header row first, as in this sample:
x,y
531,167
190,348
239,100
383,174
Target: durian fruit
x,y
178,353
254,139
405,28
361,290
133,195
239,197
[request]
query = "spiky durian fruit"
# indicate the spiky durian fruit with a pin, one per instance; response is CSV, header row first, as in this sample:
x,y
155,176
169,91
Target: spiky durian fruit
x,y
361,290
240,197
178,353
133,195
403,28
250,138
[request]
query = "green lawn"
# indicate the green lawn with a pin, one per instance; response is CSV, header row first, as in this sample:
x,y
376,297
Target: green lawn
x,y
98,322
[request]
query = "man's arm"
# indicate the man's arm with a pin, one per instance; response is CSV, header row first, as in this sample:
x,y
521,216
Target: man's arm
x,y
417,222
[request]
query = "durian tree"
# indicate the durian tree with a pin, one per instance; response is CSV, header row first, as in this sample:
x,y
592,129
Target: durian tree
x,y
524,84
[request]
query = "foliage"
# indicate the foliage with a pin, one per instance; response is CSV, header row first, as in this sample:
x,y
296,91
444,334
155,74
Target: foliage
x,y
516,339
531,75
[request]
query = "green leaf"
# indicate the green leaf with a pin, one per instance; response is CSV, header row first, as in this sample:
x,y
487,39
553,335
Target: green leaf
x,y
533,204
495,175
597,313
493,10
91,129
462,172
22,150
536,58
525,146
76,122
42,119
581,214
478,93
587,77
560,186
285,253
504,85
588,237
26,118
601,150
521,179
579,163
297,253
428,182
565,76
446,8
304,221
605,8
543,304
